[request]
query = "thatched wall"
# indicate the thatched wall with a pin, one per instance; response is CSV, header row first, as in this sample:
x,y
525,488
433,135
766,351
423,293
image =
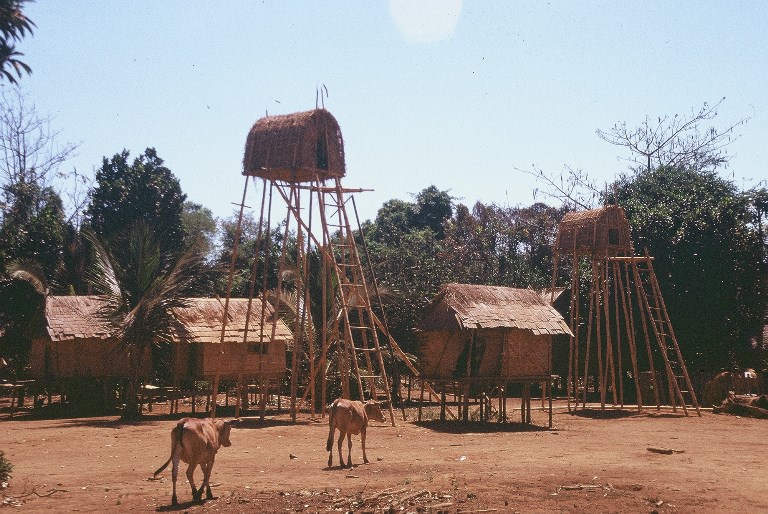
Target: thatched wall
x,y
603,231
526,355
506,354
80,358
203,354
299,147
80,343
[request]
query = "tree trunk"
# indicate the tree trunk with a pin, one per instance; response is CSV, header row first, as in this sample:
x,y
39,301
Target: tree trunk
x,y
132,409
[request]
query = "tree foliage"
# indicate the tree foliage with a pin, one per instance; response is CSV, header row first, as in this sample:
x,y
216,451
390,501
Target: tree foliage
x,y
33,223
14,26
416,247
142,191
142,288
708,257
200,227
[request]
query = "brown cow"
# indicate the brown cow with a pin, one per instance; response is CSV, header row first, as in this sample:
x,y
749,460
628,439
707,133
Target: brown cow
x,y
350,417
744,381
196,441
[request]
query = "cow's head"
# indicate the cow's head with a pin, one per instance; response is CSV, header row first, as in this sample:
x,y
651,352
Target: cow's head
x,y
373,410
224,428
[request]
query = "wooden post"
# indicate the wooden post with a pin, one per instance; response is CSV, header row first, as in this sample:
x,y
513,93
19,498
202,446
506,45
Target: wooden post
x,y
235,244
442,404
630,327
550,406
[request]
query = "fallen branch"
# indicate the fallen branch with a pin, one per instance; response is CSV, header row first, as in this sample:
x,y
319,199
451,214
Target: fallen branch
x,y
665,451
576,487
412,496
438,506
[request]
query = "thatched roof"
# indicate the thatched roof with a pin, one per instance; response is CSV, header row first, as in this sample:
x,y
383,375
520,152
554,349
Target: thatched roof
x,y
76,317
299,147
203,319
594,231
465,306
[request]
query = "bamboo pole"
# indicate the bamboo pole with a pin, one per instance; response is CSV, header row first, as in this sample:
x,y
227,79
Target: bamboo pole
x,y
615,270
217,375
590,321
630,327
643,321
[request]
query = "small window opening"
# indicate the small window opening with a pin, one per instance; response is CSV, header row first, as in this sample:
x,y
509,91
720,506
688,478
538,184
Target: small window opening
x,y
258,348
613,236
321,152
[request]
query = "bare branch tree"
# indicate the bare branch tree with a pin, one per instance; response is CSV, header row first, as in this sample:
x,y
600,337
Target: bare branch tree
x,y
29,150
676,141
572,187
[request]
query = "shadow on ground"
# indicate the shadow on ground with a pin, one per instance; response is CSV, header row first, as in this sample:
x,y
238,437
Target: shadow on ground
x,y
464,427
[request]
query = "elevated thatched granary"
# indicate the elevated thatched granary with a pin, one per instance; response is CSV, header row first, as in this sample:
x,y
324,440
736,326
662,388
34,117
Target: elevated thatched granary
x,y
488,333
262,356
300,147
77,343
603,231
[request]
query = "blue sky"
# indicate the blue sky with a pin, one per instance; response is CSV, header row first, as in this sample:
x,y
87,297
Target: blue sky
x,y
459,95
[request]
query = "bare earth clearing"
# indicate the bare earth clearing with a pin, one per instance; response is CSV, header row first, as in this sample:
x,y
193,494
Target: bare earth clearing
x,y
587,462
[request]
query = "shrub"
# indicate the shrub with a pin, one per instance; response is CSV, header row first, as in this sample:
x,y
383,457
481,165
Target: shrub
x,y
5,468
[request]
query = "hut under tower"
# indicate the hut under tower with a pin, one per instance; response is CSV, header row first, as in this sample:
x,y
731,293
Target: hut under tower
x,y
339,339
479,339
626,331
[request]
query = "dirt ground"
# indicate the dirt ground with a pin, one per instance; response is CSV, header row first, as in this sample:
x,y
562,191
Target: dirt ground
x,y
588,462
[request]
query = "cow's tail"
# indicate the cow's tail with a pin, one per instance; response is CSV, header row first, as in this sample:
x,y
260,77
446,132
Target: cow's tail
x,y
331,420
176,434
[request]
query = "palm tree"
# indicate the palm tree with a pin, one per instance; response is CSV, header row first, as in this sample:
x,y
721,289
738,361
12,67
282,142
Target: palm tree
x,y
141,288
14,25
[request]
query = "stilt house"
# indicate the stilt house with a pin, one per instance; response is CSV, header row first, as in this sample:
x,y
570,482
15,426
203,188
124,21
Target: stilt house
x,y
78,343
487,333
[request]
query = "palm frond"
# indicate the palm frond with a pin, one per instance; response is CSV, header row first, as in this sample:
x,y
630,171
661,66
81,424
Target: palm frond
x,y
30,272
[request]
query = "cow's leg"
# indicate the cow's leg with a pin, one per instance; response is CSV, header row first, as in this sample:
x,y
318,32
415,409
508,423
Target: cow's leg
x,y
362,441
174,474
207,480
338,444
349,449
203,468
191,478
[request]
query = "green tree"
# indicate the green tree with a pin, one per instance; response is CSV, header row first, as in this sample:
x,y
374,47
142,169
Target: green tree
x,y
14,25
142,288
433,209
32,218
708,257
200,227
143,191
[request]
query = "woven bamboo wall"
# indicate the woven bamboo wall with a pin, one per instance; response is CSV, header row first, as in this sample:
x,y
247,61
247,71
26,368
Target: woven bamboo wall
x,y
97,358
238,360
503,353
526,355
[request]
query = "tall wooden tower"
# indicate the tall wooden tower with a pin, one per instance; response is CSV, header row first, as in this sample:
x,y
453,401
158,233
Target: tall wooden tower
x,y
626,325
339,340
